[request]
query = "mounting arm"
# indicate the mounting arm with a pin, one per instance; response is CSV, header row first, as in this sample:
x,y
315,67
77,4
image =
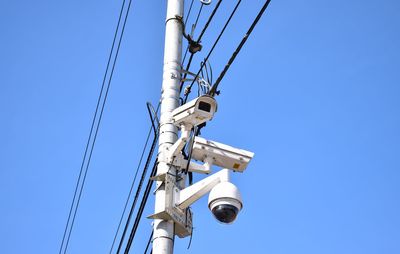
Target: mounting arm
x,y
192,193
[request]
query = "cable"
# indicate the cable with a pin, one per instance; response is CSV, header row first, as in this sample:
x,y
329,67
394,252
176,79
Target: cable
x,y
148,242
150,109
91,132
187,17
100,117
198,41
213,90
137,170
209,20
141,208
197,18
130,191
148,160
188,14
212,48
190,40
191,237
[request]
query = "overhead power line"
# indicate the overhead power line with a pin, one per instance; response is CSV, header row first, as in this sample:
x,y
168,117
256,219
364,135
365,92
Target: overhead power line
x,y
101,101
190,9
199,40
190,39
138,190
213,89
141,208
212,48
209,20
136,173
148,242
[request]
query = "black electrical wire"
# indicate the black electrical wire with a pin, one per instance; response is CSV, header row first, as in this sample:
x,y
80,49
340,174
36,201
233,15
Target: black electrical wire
x,y
141,208
192,30
98,125
198,41
66,240
197,18
130,191
191,34
209,20
213,90
191,238
151,110
196,132
137,168
187,17
212,48
188,14
148,160
190,149
148,242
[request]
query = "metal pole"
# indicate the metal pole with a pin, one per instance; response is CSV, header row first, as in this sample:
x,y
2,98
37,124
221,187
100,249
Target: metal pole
x,y
163,231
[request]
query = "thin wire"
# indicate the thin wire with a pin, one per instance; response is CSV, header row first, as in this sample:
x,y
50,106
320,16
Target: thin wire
x,y
191,34
191,237
134,180
209,20
148,242
198,41
212,49
130,191
100,117
186,51
138,192
90,134
197,18
213,90
187,17
188,14
150,109
141,208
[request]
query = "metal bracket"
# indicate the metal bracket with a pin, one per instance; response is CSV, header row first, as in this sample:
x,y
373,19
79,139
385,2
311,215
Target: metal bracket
x,y
200,80
181,217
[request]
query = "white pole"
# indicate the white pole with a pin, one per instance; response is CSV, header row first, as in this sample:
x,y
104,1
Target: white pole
x,y
163,231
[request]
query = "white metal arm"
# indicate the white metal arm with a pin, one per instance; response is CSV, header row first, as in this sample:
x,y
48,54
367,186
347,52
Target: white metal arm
x,y
192,193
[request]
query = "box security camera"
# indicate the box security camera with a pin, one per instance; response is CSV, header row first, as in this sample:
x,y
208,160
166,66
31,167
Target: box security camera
x,y
223,155
195,112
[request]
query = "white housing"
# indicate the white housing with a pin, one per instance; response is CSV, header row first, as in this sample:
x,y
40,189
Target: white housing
x,y
222,155
225,202
195,112
225,193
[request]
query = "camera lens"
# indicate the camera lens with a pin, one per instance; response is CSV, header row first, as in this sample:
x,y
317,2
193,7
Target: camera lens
x,y
225,213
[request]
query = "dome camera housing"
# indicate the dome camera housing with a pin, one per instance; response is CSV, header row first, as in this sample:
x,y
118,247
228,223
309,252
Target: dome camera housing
x,y
225,202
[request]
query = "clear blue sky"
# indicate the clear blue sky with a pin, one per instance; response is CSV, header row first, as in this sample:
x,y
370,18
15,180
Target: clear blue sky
x,y
314,93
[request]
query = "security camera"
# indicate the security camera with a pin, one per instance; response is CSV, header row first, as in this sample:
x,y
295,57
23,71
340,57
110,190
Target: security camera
x,y
222,155
225,202
195,112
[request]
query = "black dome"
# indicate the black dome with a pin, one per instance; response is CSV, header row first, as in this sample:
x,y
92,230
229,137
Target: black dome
x,y
225,213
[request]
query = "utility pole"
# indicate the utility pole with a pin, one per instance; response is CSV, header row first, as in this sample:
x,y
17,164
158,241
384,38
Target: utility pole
x,y
163,230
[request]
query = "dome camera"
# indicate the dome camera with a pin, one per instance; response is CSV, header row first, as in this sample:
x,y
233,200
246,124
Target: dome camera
x,y
225,202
